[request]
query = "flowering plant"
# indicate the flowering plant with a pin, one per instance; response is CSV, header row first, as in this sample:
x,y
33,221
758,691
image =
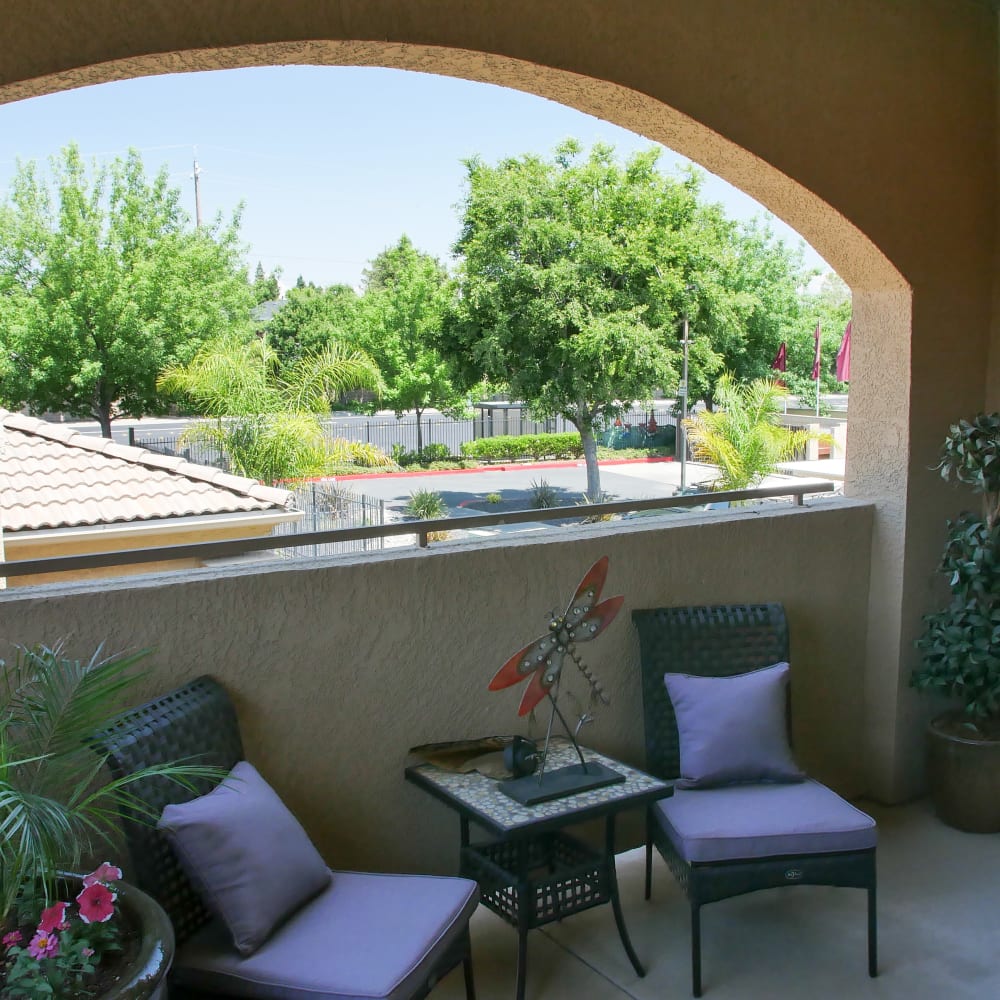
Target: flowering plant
x,y
58,950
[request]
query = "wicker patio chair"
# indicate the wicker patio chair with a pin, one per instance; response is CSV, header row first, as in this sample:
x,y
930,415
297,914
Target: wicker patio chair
x,y
733,839
415,927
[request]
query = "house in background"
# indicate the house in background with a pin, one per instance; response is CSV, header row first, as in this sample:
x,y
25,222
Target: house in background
x,y
65,493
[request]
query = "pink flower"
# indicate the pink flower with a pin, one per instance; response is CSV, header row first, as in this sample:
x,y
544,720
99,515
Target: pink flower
x,y
43,945
11,939
106,872
96,904
53,919
87,952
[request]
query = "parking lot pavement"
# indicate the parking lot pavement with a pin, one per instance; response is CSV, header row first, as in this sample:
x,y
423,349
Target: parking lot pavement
x,y
632,480
624,482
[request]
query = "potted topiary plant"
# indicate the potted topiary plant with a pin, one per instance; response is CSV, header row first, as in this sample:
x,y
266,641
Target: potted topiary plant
x,y
960,644
65,935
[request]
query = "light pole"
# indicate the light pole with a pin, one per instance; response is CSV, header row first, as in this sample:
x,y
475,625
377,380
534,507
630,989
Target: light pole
x,y
682,391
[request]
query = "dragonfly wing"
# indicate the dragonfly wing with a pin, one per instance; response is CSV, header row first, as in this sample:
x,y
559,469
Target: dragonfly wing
x,y
588,593
541,683
596,620
523,662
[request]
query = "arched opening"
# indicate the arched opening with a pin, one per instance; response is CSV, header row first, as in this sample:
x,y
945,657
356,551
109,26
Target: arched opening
x,y
740,117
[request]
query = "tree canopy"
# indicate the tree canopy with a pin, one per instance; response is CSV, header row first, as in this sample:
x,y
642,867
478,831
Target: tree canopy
x,y
103,283
265,286
572,277
407,294
311,319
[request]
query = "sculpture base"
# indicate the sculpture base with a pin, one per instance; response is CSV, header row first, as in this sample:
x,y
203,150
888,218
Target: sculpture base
x,y
555,784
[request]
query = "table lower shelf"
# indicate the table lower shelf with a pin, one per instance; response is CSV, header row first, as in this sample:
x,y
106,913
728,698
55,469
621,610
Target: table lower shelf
x,y
552,875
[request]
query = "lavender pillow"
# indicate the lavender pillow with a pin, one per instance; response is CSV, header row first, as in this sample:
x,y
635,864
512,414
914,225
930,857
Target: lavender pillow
x,y
247,854
733,729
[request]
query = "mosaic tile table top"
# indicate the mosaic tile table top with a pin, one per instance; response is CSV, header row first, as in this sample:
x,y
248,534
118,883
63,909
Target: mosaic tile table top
x,y
480,798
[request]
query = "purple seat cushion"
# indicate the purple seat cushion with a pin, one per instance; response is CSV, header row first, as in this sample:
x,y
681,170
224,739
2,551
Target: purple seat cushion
x,y
367,935
763,821
247,855
733,729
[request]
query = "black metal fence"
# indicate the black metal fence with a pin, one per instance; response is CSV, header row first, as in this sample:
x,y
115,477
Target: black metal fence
x,y
326,507
634,429
198,452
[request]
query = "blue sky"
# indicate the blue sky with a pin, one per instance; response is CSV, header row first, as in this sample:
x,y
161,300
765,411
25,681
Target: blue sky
x,y
332,164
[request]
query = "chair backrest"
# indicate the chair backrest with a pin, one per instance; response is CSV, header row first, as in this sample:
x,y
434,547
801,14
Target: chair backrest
x,y
710,641
196,723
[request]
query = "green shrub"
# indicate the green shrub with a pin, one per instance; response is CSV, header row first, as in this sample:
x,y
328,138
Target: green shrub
x,y
493,498
543,495
428,455
428,505
360,453
434,453
510,448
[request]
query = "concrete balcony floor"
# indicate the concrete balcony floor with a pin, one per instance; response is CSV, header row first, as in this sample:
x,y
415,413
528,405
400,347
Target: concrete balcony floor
x,y
938,933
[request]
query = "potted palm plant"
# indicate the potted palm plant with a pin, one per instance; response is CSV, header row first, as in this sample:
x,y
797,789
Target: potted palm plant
x,y
960,644
67,935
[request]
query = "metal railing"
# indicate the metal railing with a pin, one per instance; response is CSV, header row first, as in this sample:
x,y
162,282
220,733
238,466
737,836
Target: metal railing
x,y
242,546
632,430
326,507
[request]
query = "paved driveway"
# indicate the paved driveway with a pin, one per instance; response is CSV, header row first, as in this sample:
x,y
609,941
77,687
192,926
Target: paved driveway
x,y
629,480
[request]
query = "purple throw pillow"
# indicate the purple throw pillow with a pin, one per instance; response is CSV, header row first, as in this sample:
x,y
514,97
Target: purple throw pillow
x,y
733,730
247,854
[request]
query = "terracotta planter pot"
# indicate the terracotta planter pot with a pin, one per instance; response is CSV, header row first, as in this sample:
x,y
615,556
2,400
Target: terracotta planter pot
x,y
964,777
145,977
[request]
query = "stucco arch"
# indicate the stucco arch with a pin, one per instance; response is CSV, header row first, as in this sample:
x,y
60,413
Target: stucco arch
x,y
827,144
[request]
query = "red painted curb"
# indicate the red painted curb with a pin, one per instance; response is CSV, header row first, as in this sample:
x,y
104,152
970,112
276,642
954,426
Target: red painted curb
x,y
573,464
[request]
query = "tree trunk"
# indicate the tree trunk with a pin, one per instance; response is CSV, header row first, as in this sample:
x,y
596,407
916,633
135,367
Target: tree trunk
x,y
100,407
590,457
420,436
103,414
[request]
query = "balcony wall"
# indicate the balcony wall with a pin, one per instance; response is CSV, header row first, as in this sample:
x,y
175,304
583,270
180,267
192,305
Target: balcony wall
x,y
338,667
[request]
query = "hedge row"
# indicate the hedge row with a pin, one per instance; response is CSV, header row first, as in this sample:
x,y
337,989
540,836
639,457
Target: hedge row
x,y
507,448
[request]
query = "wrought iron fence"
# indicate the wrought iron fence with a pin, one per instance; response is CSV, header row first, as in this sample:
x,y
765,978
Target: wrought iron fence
x,y
634,429
198,452
326,507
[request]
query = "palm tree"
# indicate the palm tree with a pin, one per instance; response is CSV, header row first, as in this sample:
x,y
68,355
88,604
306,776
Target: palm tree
x,y
267,419
742,436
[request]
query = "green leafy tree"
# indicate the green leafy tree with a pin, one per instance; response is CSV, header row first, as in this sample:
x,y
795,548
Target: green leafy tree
x,y
742,436
267,418
573,272
265,286
105,283
406,296
311,320
748,296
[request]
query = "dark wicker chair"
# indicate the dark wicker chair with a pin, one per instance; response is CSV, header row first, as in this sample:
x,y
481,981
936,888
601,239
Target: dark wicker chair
x,y
198,721
722,641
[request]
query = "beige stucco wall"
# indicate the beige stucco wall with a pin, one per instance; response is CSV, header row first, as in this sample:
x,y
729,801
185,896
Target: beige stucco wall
x,y
869,125
338,668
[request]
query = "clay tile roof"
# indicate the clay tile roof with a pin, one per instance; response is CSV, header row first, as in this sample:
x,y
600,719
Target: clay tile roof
x,y
53,477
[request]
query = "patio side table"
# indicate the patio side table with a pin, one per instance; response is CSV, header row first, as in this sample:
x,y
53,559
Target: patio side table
x,y
533,872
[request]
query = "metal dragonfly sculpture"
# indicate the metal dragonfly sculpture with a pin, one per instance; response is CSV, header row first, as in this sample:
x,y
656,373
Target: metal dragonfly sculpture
x,y
541,661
